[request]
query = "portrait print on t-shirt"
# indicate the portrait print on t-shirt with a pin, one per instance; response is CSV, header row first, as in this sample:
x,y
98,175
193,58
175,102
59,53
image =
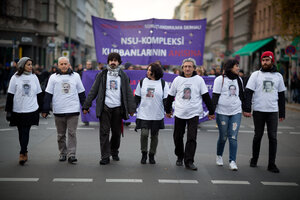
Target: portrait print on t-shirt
x,y
150,92
113,85
268,86
232,90
187,92
66,88
26,89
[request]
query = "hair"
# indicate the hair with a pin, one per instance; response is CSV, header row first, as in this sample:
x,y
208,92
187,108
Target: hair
x,y
60,58
113,56
189,60
229,65
21,69
156,70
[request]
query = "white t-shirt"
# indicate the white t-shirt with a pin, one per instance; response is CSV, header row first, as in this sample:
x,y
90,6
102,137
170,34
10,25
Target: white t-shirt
x,y
25,88
152,95
113,91
188,99
266,86
229,102
65,89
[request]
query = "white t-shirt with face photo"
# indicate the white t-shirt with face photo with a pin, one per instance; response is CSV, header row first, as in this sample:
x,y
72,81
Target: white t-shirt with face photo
x,y
152,95
113,91
188,99
65,89
266,86
229,102
25,88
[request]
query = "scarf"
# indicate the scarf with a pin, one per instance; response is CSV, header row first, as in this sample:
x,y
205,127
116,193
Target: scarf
x,y
27,73
113,72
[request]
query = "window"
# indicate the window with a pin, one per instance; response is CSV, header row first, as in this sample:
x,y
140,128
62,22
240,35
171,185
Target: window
x,y
44,10
25,8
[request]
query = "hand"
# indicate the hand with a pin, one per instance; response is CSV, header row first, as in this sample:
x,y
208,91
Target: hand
x,y
281,119
8,116
131,114
211,117
44,115
169,115
247,114
86,111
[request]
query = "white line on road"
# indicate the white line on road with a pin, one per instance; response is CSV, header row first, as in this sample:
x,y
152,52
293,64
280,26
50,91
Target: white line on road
x,y
241,131
214,125
177,181
279,183
295,133
8,129
44,123
279,127
79,128
77,180
19,179
230,182
124,180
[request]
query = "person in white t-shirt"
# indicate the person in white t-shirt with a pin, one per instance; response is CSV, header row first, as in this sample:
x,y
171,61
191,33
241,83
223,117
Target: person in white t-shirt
x,y
188,90
66,91
24,99
265,88
228,95
150,114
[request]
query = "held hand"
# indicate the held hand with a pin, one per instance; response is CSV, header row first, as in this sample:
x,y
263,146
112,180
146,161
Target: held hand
x,y
169,115
281,119
44,115
86,111
131,114
211,117
246,114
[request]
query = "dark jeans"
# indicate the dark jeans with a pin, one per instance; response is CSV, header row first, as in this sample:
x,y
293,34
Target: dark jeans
x,y
260,119
191,143
110,119
23,138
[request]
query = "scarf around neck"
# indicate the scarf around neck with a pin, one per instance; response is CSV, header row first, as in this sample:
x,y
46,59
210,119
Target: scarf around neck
x,y
113,72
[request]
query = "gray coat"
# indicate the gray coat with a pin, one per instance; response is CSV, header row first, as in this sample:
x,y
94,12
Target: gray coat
x,y
99,89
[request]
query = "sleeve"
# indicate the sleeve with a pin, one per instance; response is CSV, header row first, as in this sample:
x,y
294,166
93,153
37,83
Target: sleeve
x,y
47,102
281,104
93,92
217,88
203,87
38,85
79,85
138,89
12,85
9,102
40,101
50,86
248,100
166,90
207,100
168,104
252,80
281,86
81,97
215,100
173,90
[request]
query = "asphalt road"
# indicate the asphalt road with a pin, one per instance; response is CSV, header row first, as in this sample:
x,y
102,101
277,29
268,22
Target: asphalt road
x,y
44,177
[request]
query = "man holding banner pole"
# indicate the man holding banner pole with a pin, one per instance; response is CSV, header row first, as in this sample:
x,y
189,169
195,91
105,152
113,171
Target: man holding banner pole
x,y
188,90
114,102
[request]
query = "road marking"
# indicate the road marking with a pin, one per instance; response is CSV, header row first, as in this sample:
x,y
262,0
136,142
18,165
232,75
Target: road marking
x,y
44,123
79,128
295,133
279,127
279,183
230,182
19,179
124,180
177,181
214,125
77,180
242,131
8,129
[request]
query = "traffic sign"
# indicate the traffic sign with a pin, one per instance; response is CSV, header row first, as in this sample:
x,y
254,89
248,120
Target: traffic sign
x,y
290,50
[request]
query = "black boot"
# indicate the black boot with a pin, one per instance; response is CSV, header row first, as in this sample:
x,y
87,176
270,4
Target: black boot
x,y
151,158
144,157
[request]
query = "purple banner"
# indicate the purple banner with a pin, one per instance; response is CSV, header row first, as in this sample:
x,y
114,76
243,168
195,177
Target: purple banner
x,y
143,42
135,76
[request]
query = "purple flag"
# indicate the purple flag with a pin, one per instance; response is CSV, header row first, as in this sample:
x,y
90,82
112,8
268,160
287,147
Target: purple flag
x,y
143,42
88,78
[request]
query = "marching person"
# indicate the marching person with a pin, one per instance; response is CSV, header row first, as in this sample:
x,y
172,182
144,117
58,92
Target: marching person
x,y
23,101
150,113
228,95
266,86
189,90
66,91
115,101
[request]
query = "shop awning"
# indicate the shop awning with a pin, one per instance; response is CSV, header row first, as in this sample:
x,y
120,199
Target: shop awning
x,y
251,47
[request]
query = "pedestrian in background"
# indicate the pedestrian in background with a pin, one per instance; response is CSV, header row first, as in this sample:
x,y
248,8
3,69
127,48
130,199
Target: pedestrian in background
x,y
266,86
23,102
150,113
228,95
66,91
113,104
188,90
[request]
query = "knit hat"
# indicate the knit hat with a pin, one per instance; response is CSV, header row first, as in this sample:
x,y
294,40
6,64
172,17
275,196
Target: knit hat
x,y
127,65
23,61
268,54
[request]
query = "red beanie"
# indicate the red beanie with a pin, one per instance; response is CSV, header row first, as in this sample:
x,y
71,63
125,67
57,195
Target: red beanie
x,y
268,54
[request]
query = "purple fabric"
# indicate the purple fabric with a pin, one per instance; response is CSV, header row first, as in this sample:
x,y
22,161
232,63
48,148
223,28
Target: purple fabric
x,y
145,41
88,78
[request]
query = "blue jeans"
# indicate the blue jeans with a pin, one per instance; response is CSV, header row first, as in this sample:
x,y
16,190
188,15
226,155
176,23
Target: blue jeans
x,y
228,128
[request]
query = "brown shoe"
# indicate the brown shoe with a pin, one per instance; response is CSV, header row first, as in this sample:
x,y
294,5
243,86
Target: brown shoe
x,y
26,157
22,159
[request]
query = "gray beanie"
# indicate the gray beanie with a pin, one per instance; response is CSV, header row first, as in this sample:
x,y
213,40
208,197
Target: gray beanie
x,y
22,62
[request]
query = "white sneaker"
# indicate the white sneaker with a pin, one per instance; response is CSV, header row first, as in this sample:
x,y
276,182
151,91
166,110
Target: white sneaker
x,y
219,161
233,166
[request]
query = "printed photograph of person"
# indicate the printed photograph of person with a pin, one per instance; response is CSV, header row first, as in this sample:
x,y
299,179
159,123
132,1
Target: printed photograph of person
x,y
268,86
26,89
232,90
187,93
65,88
150,92
113,85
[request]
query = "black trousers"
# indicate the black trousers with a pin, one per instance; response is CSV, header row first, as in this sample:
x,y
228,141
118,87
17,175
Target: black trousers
x,y
260,119
23,137
188,152
110,119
